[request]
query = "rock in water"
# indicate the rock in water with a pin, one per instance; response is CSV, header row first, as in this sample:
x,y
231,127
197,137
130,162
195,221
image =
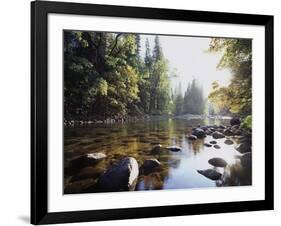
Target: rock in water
x,y
246,139
120,177
210,173
213,142
243,148
199,133
174,148
217,146
149,166
87,159
207,145
217,162
88,172
246,160
205,128
208,132
228,141
222,127
228,132
218,135
235,121
157,149
192,137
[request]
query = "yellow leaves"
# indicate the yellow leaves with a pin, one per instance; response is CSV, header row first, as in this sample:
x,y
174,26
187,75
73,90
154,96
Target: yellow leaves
x,y
102,87
215,85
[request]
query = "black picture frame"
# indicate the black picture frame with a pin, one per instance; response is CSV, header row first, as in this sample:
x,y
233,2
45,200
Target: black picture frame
x,y
39,112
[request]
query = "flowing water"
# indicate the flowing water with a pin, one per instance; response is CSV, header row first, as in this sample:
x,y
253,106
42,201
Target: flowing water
x,y
178,169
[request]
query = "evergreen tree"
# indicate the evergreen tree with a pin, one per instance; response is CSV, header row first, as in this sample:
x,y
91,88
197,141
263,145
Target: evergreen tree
x,y
178,101
148,57
105,76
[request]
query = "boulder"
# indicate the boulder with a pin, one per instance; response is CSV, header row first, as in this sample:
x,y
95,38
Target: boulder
x,y
228,132
243,148
213,142
246,159
205,128
237,132
87,159
210,173
192,137
222,127
218,135
199,133
174,148
208,132
235,121
217,146
228,141
121,176
217,162
207,145
157,149
149,166
246,139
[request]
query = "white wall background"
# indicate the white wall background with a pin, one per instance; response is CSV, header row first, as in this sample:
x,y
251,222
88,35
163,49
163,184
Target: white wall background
x,y
15,113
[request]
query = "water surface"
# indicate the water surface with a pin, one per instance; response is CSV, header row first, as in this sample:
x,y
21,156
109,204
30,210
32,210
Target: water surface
x,y
178,169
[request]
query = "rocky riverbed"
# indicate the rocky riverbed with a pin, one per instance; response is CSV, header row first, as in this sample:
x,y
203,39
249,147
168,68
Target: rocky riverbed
x,y
164,154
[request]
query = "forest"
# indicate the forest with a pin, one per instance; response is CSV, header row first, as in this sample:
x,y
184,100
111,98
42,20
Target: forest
x,y
106,76
185,126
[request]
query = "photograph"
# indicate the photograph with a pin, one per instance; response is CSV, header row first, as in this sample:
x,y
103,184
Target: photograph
x,y
155,112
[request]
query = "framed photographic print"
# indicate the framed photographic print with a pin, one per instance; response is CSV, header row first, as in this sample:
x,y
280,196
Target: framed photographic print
x,y
145,112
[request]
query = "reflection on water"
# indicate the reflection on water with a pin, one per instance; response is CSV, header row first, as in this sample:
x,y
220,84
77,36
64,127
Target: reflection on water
x,y
177,170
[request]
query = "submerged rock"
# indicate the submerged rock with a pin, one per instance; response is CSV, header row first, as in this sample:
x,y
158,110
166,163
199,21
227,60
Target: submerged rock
x,y
149,166
192,137
174,148
121,176
217,162
228,141
87,159
199,133
213,142
218,135
207,145
157,149
210,173
88,172
217,146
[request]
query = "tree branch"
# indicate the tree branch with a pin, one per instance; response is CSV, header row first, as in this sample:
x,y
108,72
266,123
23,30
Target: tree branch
x,y
115,44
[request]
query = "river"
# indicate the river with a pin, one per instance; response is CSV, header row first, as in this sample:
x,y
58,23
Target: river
x,y
178,169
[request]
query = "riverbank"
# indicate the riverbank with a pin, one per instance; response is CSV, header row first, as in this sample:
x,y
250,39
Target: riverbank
x,y
144,118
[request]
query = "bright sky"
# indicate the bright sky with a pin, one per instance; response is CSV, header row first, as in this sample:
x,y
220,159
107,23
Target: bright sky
x,y
189,57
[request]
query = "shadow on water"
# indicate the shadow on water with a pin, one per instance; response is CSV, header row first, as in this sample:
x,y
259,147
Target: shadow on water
x,y
177,169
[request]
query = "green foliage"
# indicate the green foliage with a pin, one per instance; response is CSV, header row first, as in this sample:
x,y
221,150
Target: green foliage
x,y
105,76
247,122
237,56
